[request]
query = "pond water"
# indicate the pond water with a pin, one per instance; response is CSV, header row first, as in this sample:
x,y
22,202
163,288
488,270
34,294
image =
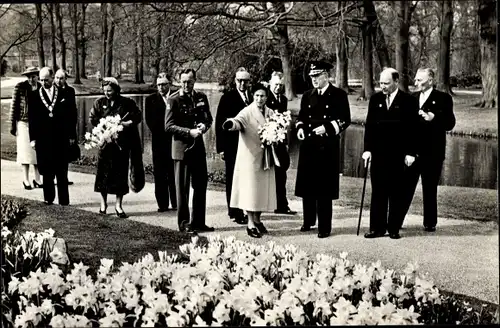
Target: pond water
x,y
469,162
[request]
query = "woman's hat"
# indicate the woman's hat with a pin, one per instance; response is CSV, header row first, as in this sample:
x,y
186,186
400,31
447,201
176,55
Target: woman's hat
x,y
30,71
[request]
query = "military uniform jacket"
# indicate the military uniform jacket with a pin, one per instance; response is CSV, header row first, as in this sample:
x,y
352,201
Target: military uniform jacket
x,y
432,134
391,132
230,105
318,167
183,113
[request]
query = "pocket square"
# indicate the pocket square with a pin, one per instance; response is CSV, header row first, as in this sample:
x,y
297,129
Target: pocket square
x,y
62,100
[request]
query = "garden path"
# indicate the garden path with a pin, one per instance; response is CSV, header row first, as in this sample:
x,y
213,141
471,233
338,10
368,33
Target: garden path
x,y
461,256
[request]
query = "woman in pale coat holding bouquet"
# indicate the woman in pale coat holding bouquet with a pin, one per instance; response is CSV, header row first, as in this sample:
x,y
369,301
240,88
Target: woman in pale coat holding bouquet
x,y
254,188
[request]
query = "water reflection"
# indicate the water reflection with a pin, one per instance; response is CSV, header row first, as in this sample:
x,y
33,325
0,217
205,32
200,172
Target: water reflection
x,y
469,162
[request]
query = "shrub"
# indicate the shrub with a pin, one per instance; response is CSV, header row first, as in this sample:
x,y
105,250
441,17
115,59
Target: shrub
x,y
12,212
217,176
85,160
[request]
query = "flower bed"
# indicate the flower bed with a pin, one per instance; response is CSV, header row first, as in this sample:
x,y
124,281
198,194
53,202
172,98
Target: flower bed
x,y
227,282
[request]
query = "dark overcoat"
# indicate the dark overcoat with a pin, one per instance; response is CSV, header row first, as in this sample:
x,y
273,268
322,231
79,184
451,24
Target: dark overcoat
x,y
113,158
319,156
230,105
432,134
51,130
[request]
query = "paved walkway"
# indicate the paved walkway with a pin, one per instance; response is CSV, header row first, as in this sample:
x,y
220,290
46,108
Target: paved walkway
x,y
462,256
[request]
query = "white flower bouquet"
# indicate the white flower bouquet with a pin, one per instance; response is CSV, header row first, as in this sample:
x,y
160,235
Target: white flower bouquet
x,y
105,132
273,135
226,282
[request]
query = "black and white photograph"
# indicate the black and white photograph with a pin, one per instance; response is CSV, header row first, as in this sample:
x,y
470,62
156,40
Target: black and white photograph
x,y
275,163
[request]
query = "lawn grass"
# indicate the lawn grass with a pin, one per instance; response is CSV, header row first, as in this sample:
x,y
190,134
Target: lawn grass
x,y
90,236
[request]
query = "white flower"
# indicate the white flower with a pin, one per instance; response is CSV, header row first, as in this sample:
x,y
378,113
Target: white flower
x,y
57,321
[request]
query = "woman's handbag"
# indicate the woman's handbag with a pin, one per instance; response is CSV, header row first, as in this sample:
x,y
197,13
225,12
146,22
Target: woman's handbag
x,y
74,152
137,179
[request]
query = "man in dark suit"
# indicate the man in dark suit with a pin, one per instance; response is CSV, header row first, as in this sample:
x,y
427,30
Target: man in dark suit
x,y
231,103
436,117
390,144
278,102
60,80
52,127
324,114
161,144
187,118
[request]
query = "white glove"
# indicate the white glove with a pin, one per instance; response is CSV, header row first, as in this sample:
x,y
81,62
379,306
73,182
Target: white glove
x,y
409,160
367,155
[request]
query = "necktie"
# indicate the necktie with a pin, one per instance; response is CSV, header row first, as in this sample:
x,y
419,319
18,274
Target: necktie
x,y
388,100
246,99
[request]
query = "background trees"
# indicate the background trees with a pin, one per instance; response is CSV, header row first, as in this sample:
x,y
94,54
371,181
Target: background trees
x,y
137,40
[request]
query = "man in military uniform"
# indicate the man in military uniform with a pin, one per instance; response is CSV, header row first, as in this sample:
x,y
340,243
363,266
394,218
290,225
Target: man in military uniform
x,y
187,118
278,102
324,114
231,103
390,144
161,144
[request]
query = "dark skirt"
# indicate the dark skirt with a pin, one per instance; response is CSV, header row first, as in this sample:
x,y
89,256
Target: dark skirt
x,y
112,170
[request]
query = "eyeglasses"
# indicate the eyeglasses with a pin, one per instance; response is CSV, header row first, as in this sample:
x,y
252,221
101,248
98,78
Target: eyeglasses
x,y
162,84
242,81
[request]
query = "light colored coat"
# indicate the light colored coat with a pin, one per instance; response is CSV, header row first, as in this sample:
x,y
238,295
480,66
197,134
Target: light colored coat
x,y
254,189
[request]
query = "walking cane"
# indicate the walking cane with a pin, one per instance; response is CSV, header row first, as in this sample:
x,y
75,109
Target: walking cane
x,y
363,195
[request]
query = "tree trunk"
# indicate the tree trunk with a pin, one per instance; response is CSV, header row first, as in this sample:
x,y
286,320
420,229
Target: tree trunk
x,y
368,88
76,67
341,52
489,69
158,38
53,50
141,55
280,32
109,42
402,44
443,71
104,36
41,54
83,45
136,47
60,33
377,35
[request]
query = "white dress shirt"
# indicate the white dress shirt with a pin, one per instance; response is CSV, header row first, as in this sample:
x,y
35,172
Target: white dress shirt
x,y
50,92
244,96
424,95
391,97
323,90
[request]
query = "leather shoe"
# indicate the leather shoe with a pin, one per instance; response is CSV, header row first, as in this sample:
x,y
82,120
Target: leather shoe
x,y
374,234
241,219
48,203
254,233
430,229
305,228
162,209
262,229
205,228
285,211
323,234
394,235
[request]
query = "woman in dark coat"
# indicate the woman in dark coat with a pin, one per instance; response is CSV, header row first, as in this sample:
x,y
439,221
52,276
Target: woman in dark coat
x,y
113,160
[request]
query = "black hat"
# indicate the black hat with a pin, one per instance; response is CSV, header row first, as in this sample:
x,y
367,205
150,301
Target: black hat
x,y
318,67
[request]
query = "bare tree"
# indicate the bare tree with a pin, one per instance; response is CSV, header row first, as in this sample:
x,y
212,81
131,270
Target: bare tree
x,y
50,9
104,36
341,51
443,71
377,35
489,69
404,10
60,33
368,88
41,53
109,41
83,42
76,68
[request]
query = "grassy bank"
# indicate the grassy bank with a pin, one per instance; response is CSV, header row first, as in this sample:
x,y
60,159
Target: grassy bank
x,y
90,236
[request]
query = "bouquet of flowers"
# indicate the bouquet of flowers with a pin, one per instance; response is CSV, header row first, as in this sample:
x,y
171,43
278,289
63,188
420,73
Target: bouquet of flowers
x,y
105,132
273,135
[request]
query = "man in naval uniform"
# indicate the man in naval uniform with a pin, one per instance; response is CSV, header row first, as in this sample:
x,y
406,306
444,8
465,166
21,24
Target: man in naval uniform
x,y
324,114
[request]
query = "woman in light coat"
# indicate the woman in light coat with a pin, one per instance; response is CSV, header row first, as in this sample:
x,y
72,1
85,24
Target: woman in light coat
x,y
254,189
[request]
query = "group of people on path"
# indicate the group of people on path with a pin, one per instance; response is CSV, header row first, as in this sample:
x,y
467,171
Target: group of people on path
x,y
404,139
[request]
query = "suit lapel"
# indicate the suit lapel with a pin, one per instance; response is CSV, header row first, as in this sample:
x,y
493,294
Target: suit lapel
x,y
424,105
396,100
